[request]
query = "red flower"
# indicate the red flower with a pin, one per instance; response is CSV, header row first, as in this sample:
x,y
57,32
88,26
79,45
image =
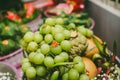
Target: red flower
x,y
78,4
12,16
29,9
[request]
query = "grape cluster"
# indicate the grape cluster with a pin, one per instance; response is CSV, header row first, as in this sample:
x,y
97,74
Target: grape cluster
x,y
48,54
85,31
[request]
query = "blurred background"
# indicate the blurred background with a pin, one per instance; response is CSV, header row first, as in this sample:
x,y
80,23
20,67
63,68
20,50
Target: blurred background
x,y
106,14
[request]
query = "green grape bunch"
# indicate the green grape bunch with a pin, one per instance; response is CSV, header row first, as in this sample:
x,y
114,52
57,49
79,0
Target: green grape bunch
x,y
49,52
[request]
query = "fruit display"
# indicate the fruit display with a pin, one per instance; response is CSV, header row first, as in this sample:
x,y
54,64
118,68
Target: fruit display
x,y
58,52
55,42
10,34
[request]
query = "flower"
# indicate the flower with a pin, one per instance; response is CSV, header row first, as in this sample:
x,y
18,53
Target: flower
x,y
12,16
29,9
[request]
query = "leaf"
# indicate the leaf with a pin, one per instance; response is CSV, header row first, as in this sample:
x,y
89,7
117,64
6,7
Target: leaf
x,y
102,47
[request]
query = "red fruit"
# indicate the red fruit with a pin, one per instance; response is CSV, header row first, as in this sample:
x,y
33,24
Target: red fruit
x,y
99,70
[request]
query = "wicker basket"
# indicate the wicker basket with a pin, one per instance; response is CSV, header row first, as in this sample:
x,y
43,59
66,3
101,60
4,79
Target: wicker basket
x,y
93,24
7,67
13,58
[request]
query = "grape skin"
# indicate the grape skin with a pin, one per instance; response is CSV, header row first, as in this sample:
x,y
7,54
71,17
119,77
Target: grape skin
x,y
58,59
48,38
48,61
30,72
56,50
38,58
66,45
45,48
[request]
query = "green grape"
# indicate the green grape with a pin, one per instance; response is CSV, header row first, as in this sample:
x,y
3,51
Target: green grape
x,y
59,37
58,59
62,69
48,61
71,26
48,38
89,32
24,60
77,59
59,21
41,70
64,55
38,37
84,77
66,45
56,49
43,42
24,44
38,58
28,37
57,29
73,74
54,75
31,56
32,46
45,29
66,34
82,30
54,31
25,66
65,76
80,67
50,21
30,72
45,48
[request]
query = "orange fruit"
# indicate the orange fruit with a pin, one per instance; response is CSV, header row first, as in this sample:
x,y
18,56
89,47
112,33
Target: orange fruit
x,y
92,48
91,69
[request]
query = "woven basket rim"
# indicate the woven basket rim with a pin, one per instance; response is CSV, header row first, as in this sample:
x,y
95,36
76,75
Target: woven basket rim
x,y
11,54
13,68
93,24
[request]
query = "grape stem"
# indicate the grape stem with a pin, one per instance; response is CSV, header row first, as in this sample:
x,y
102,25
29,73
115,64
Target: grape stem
x,y
64,63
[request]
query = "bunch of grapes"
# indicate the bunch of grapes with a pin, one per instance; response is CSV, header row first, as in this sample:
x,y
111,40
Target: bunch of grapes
x,y
85,31
48,54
